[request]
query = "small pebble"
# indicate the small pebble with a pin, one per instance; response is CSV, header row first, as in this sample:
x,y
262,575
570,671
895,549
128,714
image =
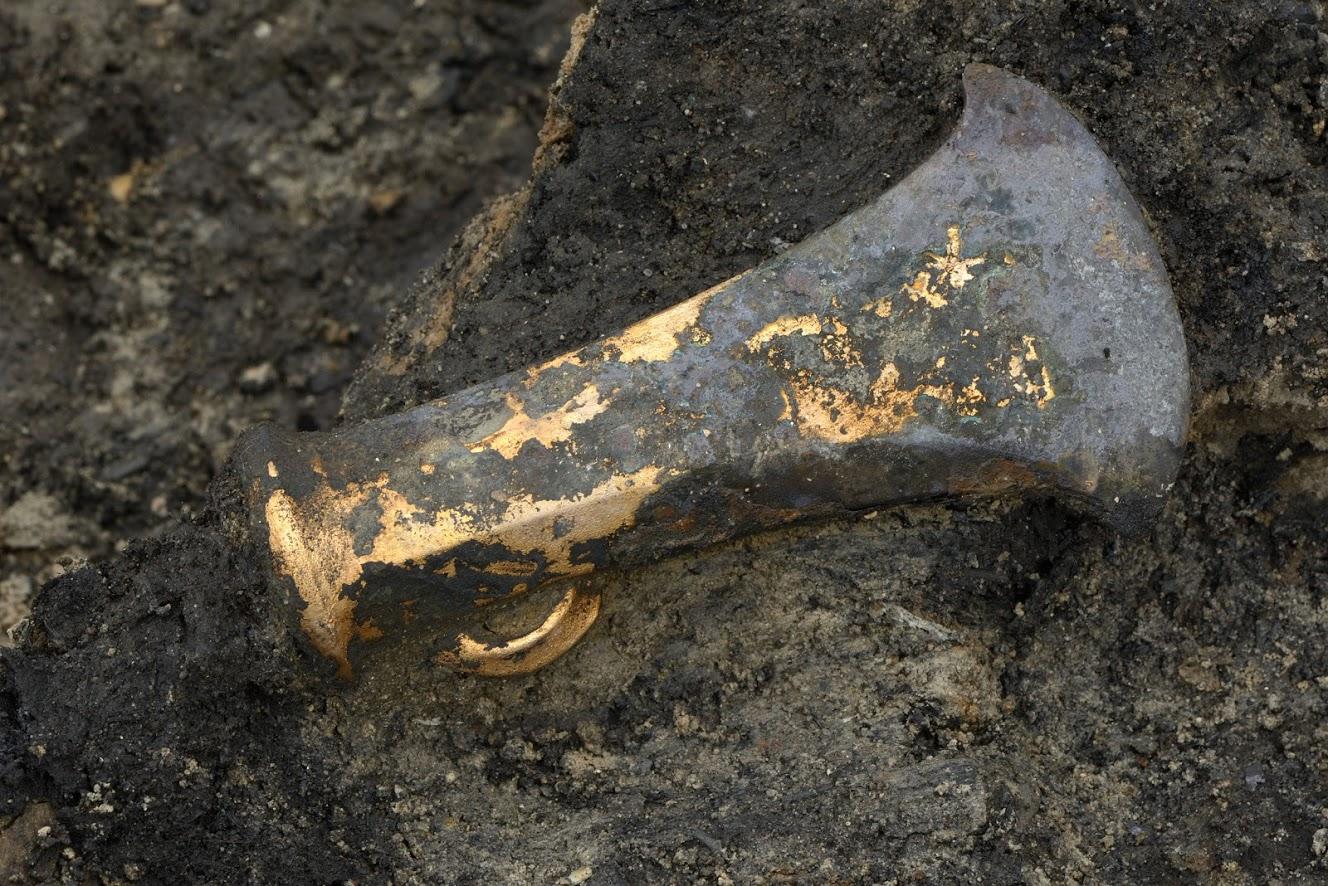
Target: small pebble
x,y
258,378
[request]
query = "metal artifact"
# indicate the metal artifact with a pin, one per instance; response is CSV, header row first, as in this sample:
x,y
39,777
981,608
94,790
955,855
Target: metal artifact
x,y
999,322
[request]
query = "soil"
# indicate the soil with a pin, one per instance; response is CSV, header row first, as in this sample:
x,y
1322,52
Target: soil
x,y
989,691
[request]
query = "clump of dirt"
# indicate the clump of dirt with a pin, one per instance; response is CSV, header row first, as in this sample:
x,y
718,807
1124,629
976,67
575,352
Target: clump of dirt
x,y
995,691
205,209
154,706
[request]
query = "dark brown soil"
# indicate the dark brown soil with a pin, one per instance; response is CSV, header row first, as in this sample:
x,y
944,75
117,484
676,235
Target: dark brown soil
x,y
991,692
205,209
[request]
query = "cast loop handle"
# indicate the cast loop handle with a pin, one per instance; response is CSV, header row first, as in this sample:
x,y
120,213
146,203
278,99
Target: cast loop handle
x,y
493,656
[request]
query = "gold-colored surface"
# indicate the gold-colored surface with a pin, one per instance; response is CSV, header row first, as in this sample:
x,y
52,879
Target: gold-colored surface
x,y
1035,384
512,567
969,398
572,358
823,409
658,337
831,334
806,324
920,289
312,544
829,413
948,271
954,270
408,534
548,429
837,345
881,307
566,625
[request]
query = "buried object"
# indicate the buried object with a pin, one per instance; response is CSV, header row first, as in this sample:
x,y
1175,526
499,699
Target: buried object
x,y
997,323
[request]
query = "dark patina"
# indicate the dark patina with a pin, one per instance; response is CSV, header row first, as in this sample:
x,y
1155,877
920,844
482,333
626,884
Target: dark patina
x,y
999,322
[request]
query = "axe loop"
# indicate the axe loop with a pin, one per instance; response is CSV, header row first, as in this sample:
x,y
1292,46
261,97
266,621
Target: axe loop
x,y
561,630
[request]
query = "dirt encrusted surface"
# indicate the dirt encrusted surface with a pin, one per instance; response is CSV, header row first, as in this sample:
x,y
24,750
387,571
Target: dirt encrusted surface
x,y
991,692
205,209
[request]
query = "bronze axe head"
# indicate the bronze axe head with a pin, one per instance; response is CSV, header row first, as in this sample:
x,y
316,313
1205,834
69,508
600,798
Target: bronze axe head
x,y
999,322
